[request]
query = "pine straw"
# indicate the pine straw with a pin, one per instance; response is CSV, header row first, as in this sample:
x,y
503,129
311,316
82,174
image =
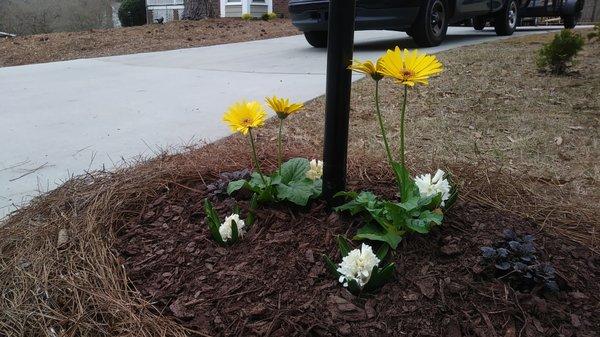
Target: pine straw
x,y
79,288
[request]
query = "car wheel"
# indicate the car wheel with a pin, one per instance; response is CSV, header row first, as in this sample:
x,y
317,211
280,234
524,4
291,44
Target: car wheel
x,y
431,25
479,23
569,21
506,19
317,39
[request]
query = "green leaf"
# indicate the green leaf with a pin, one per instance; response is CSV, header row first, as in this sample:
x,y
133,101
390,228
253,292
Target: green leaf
x,y
256,181
379,277
212,219
331,266
387,234
235,235
353,287
236,185
382,252
297,192
294,170
408,187
251,217
343,246
424,222
360,202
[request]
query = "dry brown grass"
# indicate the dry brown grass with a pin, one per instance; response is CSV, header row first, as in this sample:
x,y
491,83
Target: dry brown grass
x,y
78,287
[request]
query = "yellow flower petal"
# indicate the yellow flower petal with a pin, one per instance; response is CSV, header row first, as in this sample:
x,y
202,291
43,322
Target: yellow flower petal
x,y
242,116
409,67
367,68
282,106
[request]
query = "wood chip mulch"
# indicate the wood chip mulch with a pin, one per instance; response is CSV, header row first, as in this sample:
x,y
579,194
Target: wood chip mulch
x,y
274,281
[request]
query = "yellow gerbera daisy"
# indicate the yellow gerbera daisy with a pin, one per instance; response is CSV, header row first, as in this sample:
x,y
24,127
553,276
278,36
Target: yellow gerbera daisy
x,y
242,116
410,68
282,106
368,68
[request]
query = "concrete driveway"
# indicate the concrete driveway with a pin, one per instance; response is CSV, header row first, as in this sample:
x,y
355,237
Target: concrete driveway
x,y
63,118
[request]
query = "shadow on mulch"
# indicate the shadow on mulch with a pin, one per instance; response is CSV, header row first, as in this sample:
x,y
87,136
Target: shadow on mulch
x,y
274,281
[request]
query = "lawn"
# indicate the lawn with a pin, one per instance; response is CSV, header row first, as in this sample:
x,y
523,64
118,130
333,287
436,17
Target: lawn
x,y
129,252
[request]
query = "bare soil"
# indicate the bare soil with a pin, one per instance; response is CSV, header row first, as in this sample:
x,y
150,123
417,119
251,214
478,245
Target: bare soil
x,y
119,41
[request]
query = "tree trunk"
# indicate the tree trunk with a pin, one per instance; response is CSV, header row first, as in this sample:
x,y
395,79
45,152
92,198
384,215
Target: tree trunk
x,y
199,9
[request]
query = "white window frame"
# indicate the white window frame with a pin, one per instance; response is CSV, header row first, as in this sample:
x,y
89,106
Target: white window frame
x,y
246,5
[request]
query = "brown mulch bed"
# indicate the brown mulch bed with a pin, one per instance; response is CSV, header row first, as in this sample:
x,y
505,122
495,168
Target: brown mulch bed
x,y
274,281
119,41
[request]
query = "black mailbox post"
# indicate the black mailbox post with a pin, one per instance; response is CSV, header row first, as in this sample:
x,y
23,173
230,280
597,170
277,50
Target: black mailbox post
x,y
337,107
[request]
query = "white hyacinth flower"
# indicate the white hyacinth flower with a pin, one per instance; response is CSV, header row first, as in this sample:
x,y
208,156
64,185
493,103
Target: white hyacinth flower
x,y
357,266
429,186
316,170
226,227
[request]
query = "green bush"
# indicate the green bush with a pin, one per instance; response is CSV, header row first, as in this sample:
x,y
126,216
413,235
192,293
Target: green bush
x,y
558,54
247,17
132,13
269,16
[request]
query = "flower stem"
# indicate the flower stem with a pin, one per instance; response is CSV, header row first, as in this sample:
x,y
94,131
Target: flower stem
x,y
402,161
383,133
279,151
255,157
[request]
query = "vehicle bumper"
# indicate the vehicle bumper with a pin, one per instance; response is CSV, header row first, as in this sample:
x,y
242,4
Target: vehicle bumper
x,y
313,15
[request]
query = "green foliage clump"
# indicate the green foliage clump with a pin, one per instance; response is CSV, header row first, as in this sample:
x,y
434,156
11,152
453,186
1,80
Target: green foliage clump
x,y
247,17
558,54
132,13
595,34
269,16
287,184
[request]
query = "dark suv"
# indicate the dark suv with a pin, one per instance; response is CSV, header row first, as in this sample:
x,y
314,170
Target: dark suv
x,y
427,20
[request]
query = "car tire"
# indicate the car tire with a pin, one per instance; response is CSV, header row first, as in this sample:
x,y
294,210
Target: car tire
x,y
506,19
317,39
569,21
431,25
479,23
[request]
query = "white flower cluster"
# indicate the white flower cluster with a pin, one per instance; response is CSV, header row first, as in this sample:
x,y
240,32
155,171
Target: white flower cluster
x,y
357,266
429,186
316,170
225,228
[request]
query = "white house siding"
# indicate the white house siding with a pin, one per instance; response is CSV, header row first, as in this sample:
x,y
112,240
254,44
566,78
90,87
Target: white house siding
x,y
237,8
258,10
233,11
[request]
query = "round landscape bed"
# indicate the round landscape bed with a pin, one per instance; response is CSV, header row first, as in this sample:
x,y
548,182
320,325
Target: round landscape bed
x,y
274,281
